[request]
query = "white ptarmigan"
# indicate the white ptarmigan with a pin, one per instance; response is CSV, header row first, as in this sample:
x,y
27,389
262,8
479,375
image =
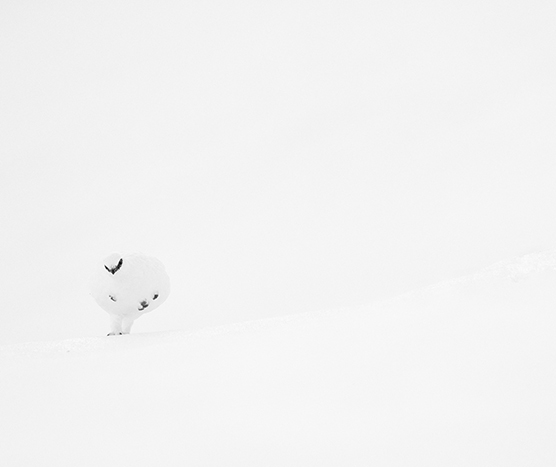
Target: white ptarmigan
x,y
127,287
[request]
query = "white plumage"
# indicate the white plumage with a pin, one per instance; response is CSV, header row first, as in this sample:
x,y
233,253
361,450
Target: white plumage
x,y
127,287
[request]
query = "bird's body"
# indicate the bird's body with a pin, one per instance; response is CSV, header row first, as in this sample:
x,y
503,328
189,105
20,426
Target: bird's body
x,y
127,287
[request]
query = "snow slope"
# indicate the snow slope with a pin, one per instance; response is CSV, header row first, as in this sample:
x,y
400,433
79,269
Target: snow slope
x,y
458,374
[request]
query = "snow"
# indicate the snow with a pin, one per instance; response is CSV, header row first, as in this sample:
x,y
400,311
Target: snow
x,y
460,373
280,158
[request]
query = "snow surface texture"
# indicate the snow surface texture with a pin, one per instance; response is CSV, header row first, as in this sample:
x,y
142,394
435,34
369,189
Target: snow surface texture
x,y
127,287
457,374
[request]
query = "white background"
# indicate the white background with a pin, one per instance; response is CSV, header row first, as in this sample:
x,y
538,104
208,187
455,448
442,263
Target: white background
x,y
277,156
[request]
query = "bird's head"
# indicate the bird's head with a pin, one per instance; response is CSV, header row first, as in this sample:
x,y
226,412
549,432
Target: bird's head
x,y
113,263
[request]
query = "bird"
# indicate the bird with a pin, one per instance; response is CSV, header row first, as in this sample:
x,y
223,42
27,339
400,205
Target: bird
x,y
127,287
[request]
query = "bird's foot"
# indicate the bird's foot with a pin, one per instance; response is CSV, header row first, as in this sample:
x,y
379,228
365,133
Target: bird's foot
x,y
114,333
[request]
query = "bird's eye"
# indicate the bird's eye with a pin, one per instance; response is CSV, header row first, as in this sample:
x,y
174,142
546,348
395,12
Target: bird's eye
x,y
155,296
112,298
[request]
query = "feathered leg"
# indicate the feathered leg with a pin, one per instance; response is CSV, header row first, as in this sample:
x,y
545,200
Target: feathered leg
x,y
115,325
126,324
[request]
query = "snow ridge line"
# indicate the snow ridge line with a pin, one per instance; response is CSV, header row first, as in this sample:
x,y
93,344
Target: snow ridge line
x,y
515,269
